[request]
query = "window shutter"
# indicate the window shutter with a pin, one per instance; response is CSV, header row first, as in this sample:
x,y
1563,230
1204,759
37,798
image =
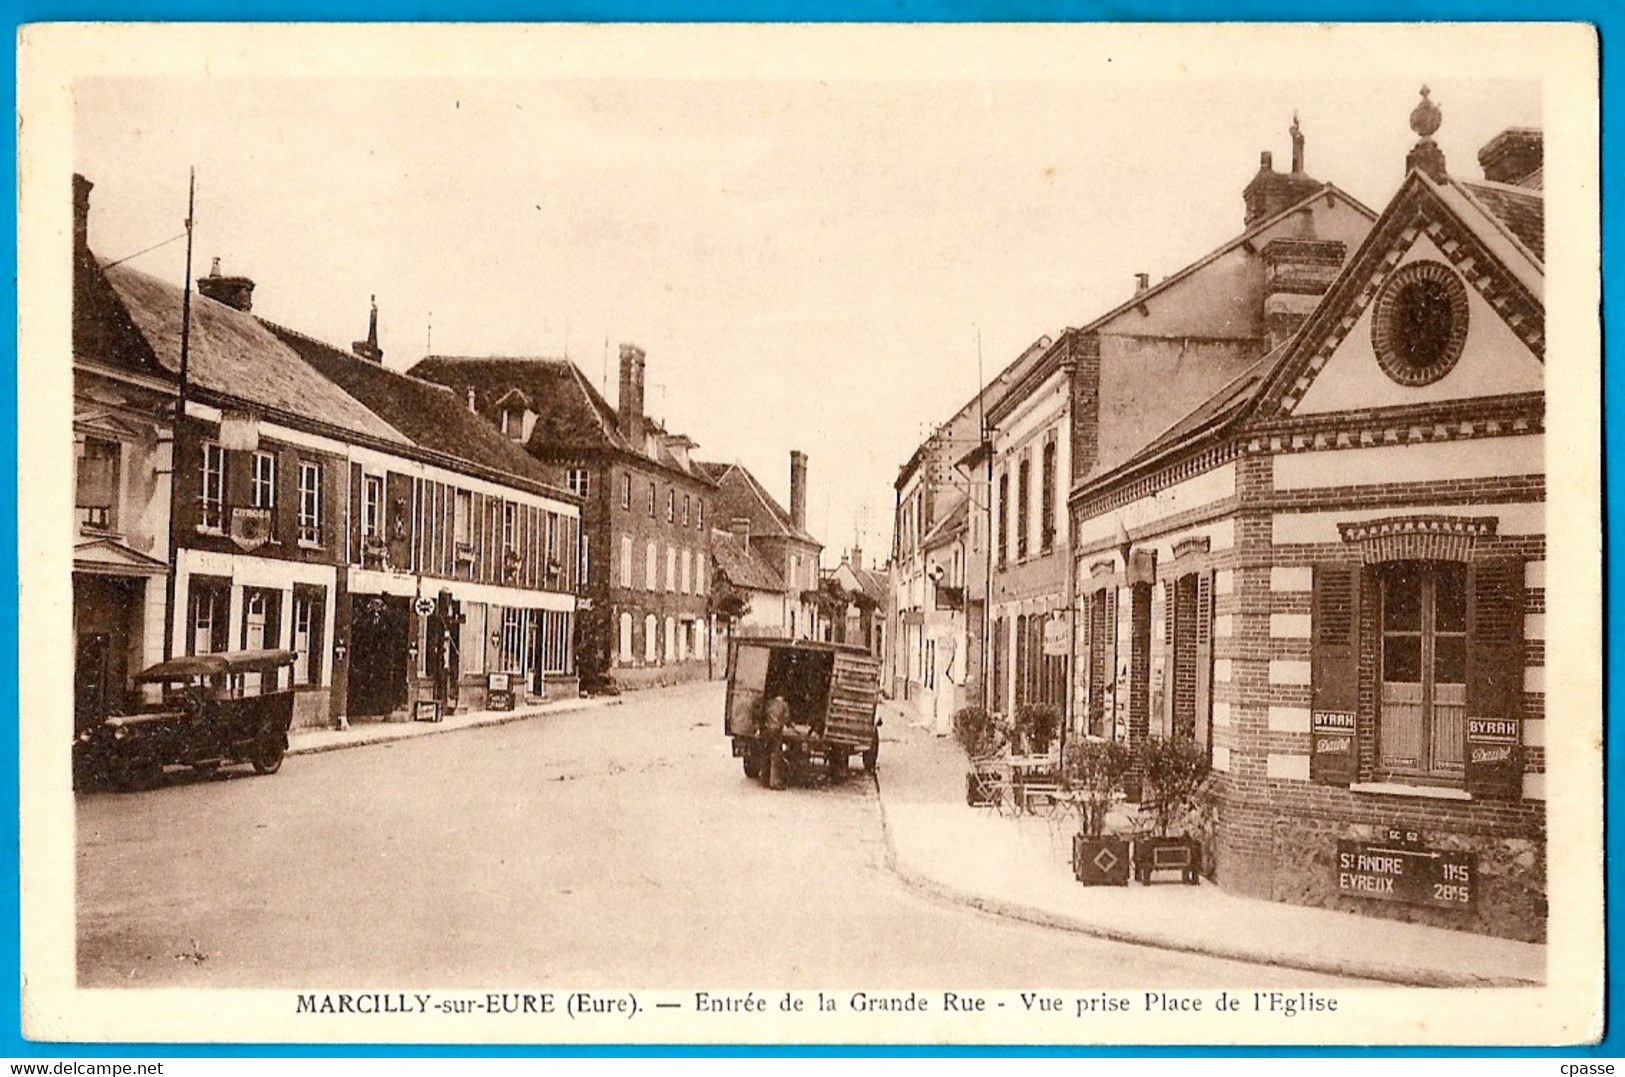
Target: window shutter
x,y
1495,607
354,522
1334,674
1170,615
1204,661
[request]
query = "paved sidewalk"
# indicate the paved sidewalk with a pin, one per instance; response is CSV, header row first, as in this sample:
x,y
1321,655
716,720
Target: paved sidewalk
x,y
1022,868
306,741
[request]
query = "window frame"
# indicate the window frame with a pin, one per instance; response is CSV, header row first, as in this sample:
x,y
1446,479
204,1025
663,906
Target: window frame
x,y
309,517
212,488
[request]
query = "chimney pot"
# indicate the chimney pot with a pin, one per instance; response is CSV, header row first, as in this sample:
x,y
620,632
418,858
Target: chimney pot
x,y
369,349
471,406
1142,281
237,292
1266,162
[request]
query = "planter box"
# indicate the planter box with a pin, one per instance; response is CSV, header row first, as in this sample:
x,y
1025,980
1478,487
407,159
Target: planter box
x,y
1102,861
1152,855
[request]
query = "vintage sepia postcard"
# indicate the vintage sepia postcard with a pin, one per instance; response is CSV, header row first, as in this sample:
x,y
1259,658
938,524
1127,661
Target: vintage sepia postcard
x,y
973,534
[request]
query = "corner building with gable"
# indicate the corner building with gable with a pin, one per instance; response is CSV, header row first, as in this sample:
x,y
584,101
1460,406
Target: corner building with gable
x,y
1346,549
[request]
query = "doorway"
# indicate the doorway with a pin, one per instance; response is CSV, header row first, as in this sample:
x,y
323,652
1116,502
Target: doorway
x,y
378,655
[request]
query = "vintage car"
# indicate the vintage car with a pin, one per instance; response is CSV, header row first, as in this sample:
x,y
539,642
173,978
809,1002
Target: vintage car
x,y
214,710
830,691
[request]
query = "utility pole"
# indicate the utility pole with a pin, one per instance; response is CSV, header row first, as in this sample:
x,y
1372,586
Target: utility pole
x,y
170,597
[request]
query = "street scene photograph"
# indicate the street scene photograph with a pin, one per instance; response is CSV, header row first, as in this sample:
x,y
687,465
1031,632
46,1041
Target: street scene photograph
x,y
773,534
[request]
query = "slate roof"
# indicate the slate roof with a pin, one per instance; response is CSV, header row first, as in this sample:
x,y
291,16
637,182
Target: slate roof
x,y
1521,209
571,415
431,415
742,495
740,565
230,353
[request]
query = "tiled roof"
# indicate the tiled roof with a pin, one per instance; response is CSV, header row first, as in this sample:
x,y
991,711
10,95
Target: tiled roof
x,y
743,496
874,584
1521,209
951,524
230,353
740,566
431,415
570,413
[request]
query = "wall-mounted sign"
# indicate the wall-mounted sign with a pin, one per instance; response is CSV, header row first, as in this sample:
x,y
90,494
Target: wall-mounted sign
x,y
424,606
1057,636
427,710
1406,873
1333,757
1493,766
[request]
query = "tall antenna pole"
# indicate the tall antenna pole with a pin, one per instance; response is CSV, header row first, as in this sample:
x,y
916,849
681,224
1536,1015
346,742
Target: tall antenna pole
x,y
180,421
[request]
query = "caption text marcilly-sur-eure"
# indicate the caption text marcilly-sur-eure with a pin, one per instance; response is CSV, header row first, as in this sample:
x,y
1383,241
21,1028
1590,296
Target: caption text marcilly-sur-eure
x,y
573,1005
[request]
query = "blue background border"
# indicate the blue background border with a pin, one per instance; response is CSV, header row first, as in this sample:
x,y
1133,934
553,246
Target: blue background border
x,y
1607,17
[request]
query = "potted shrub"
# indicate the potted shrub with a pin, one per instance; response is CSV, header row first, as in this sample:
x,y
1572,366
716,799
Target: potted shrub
x,y
1092,770
1174,772
1038,724
979,734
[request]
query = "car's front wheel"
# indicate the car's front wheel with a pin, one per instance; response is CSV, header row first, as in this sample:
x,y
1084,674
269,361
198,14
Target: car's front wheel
x,y
268,753
140,773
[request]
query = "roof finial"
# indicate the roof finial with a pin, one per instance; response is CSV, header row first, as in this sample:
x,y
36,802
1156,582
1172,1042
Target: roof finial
x,y
1426,156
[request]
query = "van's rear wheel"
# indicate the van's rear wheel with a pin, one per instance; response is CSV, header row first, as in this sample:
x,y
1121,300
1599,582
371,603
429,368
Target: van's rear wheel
x,y
137,775
753,763
837,767
871,756
268,753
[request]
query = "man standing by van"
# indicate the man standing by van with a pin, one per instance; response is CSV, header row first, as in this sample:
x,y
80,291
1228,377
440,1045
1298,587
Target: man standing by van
x,y
776,717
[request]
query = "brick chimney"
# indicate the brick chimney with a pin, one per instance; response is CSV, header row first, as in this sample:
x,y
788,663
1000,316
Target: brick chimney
x,y
740,526
857,558
630,401
798,489
232,291
1297,271
1512,156
81,216
369,349
1269,191
1426,155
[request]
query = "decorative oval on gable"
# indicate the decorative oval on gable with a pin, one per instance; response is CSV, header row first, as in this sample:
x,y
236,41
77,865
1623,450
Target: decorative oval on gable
x,y
1419,323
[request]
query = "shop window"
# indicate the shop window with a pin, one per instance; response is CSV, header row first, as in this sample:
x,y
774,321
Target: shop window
x,y
208,613
98,484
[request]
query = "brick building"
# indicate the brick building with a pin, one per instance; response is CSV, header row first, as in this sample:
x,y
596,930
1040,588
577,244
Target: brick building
x,y
302,518
1330,573
645,514
778,538
1098,393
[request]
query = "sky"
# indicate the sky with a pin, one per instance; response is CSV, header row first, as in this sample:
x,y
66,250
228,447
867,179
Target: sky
x,y
810,262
